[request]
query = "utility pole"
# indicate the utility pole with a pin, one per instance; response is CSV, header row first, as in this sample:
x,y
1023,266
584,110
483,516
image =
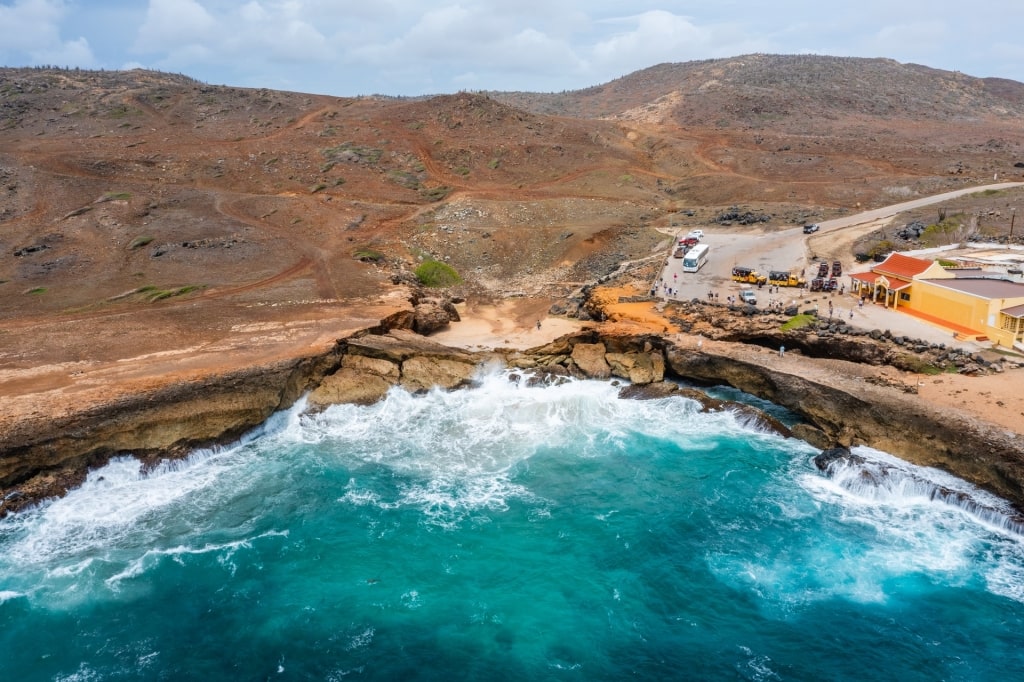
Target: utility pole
x,y
1013,215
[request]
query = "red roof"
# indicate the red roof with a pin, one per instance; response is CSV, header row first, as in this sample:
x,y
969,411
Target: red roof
x,y
869,277
902,266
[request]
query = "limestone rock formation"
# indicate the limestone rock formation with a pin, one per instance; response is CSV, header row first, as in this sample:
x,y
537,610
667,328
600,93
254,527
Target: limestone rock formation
x,y
429,317
423,373
638,367
590,359
649,391
349,386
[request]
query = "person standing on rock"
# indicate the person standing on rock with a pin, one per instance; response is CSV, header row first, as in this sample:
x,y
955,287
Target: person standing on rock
x,y
782,351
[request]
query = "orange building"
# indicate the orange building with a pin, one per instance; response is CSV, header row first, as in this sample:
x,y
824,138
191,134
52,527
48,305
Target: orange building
x,y
973,304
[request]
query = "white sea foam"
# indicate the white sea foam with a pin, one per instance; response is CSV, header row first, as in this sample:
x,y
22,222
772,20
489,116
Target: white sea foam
x,y
457,453
920,520
8,595
360,640
152,557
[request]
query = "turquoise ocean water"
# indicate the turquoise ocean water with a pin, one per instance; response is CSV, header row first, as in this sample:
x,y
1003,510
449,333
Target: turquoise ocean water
x,y
513,533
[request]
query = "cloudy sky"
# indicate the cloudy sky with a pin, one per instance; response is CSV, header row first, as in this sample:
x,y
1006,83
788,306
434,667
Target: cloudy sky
x,y
411,47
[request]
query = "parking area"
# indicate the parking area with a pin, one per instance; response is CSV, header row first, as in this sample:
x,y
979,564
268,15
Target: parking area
x,y
782,250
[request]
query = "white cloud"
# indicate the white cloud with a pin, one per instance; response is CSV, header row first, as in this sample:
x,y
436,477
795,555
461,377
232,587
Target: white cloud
x,y
653,37
474,46
70,53
30,33
912,38
174,25
420,46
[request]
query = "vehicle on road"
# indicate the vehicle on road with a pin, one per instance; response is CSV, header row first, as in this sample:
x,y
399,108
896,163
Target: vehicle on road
x,y
689,241
696,234
748,297
837,269
783,278
822,270
748,275
696,258
811,228
679,252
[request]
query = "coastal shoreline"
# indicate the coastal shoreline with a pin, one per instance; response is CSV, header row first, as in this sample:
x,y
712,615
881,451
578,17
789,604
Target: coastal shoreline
x,y
845,403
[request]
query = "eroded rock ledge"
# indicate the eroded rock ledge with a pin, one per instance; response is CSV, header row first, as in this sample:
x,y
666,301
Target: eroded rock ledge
x,y
44,458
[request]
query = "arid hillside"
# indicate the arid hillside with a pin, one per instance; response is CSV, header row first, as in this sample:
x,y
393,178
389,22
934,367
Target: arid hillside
x,y
180,208
832,130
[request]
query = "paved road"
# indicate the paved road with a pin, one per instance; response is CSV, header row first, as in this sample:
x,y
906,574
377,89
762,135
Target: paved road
x,y
786,249
895,209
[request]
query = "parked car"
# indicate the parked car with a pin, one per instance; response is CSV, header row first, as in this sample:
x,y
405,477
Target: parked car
x,y
837,269
696,234
748,297
679,252
810,228
822,270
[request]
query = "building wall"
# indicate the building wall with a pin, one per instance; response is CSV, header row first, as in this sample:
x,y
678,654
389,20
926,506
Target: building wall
x,y
974,312
953,306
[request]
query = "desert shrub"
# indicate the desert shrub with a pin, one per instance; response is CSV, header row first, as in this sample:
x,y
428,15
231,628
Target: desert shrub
x,y
114,196
368,255
140,241
880,248
435,193
799,322
947,231
153,294
403,178
353,152
434,273
319,187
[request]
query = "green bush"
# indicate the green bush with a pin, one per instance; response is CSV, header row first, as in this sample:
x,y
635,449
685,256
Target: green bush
x,y
368,255
435,193
798,322
434,273
139,242
881,248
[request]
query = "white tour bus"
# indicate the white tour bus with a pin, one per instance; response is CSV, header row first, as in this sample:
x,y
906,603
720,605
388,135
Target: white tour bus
x,y
697,257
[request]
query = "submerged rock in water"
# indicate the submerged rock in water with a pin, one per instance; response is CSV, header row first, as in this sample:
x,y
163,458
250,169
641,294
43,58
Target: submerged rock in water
x,y
826,459
653,391
758,418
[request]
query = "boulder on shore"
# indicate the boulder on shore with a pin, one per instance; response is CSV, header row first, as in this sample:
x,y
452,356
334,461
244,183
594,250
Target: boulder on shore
x,y
590,359
348,386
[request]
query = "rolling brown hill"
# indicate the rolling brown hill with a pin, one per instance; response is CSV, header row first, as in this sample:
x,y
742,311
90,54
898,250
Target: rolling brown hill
x,y
788,92
180,209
